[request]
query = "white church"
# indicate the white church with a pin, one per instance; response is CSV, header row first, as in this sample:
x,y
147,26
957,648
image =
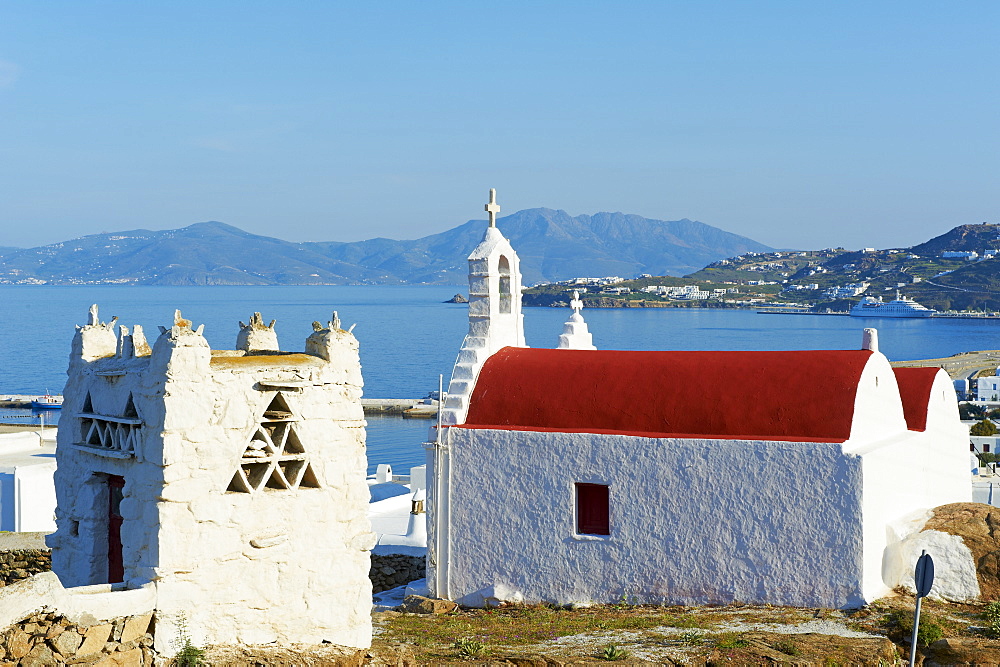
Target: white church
x,y
573,475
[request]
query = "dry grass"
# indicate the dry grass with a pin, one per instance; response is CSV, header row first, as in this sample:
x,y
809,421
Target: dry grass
x,y
514,625
654,633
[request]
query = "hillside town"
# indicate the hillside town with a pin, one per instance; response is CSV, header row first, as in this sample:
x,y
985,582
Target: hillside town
x,y
829,280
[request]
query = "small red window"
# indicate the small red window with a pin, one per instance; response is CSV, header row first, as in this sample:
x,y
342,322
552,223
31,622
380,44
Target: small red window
x,y
592,509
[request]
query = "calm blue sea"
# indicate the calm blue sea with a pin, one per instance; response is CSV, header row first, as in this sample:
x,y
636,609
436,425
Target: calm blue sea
x,y
408,336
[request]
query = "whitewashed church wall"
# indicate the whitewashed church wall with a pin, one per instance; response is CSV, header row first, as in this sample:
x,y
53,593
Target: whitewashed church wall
x,y
913,472
692,521
942,408
906,471
878,410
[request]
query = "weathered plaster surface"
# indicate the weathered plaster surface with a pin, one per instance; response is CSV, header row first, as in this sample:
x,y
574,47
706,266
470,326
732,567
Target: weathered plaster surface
x,y
692,521
273,565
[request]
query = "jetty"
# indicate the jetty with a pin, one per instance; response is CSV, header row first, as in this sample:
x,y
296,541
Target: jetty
x,y
17,400
401,407
948,314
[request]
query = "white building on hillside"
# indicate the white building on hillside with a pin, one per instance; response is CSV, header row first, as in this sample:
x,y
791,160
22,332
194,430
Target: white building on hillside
x,y
988,388
585,475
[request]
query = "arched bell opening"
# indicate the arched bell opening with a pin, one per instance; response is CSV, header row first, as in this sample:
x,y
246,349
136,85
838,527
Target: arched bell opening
x,y
505,294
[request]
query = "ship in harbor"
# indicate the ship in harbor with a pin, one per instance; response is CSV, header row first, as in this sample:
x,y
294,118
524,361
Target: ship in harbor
x,y
899,307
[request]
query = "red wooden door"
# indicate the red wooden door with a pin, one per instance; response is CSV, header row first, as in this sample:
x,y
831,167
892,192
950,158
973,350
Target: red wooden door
x,y
116,570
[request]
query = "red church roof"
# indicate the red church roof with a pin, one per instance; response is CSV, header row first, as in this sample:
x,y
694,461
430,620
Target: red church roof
x,y
799,396
915,390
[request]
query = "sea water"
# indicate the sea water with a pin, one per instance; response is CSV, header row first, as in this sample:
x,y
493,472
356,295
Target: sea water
x,y
408,336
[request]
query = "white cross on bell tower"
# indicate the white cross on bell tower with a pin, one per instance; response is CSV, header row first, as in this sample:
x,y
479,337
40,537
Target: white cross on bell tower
x,y
493,207
495,318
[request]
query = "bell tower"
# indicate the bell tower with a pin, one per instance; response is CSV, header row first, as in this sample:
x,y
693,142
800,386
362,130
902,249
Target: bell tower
x,y
495,319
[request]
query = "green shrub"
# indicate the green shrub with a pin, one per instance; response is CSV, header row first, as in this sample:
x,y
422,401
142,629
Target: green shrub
x,y
929,632
730,640
788,647
612,653
991,614
692,638
470,648
983,427
188,654
970,411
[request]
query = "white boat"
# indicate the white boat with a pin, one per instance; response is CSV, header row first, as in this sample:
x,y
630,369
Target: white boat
x,y
47,402
899,307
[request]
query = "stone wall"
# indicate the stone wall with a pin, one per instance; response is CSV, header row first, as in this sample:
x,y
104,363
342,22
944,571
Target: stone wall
x,y
220,454
18,564
392,570
52,639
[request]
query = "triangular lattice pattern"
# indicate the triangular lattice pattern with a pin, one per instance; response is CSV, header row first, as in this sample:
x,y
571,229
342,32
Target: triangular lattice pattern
x,y
110,435
119,435
274,457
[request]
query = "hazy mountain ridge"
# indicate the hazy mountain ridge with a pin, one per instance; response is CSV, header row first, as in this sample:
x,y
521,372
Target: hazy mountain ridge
x,y
552,245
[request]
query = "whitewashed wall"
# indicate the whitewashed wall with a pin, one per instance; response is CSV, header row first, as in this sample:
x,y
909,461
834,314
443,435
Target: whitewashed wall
x,y
276,565
693,521
911,474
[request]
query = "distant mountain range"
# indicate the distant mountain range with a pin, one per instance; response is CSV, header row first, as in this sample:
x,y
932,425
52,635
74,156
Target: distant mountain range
x,y
552,246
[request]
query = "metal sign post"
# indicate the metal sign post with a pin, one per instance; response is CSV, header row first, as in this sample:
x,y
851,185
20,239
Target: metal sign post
x,y
923,579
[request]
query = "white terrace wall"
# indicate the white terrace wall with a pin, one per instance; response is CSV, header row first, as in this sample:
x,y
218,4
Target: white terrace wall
x,y
244,499
693,521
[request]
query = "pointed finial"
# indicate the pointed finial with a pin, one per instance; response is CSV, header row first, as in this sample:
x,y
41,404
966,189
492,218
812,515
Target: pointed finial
x,y
576,304
869,340
335,322
125,347
92,319
493,207
139,343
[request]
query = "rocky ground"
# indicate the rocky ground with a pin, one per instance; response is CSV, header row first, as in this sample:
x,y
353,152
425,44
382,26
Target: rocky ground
x,y
732,635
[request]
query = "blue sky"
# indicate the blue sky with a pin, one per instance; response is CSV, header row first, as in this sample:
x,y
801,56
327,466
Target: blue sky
x,y
799,124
